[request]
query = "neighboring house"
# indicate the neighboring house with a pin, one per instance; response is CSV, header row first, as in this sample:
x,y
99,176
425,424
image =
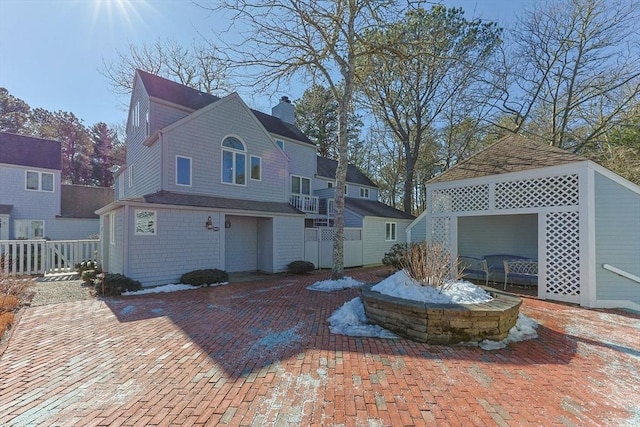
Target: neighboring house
x,y
33,202
580,221
211,183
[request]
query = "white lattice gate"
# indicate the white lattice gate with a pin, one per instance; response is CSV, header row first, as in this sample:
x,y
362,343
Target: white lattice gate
x,y
555,198
318,246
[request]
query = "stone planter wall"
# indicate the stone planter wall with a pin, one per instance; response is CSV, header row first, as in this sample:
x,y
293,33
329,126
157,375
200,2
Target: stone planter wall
x,y
443,323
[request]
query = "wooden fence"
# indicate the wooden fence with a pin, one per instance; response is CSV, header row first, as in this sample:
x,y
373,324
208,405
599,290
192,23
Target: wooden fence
x,y
26,257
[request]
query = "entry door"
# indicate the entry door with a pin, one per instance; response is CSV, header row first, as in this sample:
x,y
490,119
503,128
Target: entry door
x,y
4,227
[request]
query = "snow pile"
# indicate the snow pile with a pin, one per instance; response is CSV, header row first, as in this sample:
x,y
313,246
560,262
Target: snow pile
x,y
351,320
460,292
335,285
524,329
167,288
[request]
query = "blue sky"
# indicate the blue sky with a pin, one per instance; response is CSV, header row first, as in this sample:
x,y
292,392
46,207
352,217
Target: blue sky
x,y
51,50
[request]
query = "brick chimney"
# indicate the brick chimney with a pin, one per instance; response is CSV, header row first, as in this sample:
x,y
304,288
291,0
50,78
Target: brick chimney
x,y
284,110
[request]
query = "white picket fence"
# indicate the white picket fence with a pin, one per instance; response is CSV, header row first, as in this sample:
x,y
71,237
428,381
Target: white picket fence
x,y
26,257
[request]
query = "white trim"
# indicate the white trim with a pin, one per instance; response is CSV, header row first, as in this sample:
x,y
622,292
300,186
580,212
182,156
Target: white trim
x,y
40,175
112,228
622,273
154,222
234,152
130,173
301,178
251,157
393,232
190,170
587,235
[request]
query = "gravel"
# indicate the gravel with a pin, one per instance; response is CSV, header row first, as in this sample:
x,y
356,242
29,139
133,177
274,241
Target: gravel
x,y
59,289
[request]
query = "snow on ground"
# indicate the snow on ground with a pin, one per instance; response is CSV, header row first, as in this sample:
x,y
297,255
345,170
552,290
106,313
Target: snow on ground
x,y
335,285
459,292
351,320
524,329
167,288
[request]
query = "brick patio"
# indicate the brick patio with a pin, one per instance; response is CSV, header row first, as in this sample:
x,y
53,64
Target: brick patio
x,y
260,353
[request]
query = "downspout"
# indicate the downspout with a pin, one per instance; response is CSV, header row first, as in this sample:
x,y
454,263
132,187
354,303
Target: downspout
x,y
125,241
163,161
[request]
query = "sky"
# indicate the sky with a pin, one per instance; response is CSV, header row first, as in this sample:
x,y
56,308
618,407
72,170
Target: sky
x,y
51,51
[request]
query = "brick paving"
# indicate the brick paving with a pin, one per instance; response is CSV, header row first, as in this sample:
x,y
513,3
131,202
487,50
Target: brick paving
x,y
260,353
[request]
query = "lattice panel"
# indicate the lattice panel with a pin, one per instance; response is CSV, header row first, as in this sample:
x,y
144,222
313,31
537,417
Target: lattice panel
x,y
460,199
563,253
440,230
540,192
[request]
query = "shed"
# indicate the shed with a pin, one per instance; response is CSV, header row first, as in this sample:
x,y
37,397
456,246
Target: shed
x,y
579,220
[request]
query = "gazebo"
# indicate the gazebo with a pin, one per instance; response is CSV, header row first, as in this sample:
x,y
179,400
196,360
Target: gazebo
x,y
577,219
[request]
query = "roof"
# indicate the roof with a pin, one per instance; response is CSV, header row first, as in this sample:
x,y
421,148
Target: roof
x,y
185,96
5,209
182,199
366,207
29,151
79,201
327,168
512,153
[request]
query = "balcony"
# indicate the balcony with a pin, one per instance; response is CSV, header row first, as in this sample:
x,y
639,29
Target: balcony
x,y
304,203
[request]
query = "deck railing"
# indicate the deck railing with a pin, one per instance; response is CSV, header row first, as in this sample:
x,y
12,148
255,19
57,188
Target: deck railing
x,y
27,257
304,203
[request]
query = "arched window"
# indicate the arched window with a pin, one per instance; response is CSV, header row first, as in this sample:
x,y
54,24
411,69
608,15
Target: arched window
x,y
234,161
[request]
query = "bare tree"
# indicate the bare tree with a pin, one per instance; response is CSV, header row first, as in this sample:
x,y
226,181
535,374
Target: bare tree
x,y
200,66
318,39
426,59
572,71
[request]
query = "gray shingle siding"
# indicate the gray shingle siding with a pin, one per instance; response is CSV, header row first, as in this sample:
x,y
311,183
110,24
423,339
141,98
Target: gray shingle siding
x,y
617,236
374,245
302,159
288,241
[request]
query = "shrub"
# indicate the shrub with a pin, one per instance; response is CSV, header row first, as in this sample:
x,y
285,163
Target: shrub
x,y
430,264
301,267
13,292
88,276
396,255
113,284
209,276
83,266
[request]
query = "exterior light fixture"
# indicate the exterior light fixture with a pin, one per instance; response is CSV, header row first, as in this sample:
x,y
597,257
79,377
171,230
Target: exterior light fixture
x,y
209,224
227,223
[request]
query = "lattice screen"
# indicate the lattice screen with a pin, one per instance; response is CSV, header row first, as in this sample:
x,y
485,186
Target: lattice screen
x,y
441,230
460,199
539,192
327,234
563,253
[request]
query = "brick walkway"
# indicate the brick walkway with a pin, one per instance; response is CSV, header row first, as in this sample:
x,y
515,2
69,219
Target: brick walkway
x,y
260,353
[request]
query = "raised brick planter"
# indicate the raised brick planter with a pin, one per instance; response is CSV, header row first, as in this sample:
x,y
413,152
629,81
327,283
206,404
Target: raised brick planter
x,y
443,323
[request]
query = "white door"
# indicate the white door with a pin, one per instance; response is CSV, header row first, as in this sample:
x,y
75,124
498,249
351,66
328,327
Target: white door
x,y
4,227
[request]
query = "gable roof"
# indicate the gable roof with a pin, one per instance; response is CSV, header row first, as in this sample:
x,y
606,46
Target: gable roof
x,y
29,151
366,207
170,198
185,96
512,153
327,168
79,201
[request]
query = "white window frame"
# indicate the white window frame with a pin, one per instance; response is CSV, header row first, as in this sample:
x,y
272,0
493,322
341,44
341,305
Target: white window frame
x,y
259,178
234,156
112,228
30,229
301,178
147,127
190,171
329,184
390,231
280,143
121,186
40,176
148,229
364,193
130,173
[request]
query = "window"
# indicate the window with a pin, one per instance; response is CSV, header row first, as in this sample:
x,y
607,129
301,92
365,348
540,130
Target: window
x,y
135,115
131,176
300,185
364,193
390,231
329,184
29,229
120,186
146,124
145,223
39,181
345,190
233,161
280,144
256,168
183,171
112,228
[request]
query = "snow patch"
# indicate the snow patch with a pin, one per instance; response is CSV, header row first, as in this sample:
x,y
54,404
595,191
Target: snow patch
x,y
172,287
351,320
524,329
335,285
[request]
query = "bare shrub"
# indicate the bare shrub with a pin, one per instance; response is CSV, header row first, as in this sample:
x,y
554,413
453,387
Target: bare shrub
x,y
13,292
430,264
16,286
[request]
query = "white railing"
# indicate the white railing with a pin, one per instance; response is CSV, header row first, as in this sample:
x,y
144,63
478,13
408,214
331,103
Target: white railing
x,y
304,203
331,207
620,272
26,257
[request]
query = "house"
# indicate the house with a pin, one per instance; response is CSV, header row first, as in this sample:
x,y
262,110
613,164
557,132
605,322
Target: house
x,y
580,221
34,204
212,183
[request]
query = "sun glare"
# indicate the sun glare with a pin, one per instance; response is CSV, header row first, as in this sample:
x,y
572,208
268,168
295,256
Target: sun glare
x,y
118,12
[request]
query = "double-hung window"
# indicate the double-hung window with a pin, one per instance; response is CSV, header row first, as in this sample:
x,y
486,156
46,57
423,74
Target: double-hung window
x,y
364,193
300,185
390,231
39,181
183,171
234,161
